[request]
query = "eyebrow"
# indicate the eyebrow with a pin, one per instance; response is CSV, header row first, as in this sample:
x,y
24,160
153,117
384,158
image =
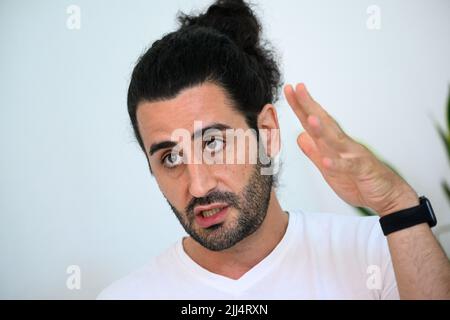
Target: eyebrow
x,y
155,147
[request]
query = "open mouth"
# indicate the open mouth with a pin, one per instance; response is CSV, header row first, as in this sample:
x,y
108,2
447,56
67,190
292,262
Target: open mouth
x,y
211,215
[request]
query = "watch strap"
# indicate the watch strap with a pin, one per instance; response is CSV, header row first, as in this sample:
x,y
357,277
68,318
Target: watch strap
x,y
408,217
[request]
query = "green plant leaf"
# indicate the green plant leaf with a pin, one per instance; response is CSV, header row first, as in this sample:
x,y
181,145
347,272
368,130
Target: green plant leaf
x,y
444,139
448,110
365,211
446,189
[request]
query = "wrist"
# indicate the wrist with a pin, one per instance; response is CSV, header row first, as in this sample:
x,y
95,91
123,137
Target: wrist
x,y
406,199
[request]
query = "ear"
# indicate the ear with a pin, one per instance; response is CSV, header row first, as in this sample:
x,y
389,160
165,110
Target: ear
x,y
269,130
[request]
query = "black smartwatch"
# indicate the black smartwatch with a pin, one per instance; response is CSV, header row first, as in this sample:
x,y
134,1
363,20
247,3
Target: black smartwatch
x,y
409,217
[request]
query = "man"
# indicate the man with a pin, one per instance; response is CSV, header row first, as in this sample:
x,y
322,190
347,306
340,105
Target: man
x,y
191,95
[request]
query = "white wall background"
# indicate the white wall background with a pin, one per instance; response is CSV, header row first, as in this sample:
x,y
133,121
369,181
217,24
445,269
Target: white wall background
x,y
74,186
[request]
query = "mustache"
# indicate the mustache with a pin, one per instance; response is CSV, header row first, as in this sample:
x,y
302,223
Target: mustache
x,y
215,196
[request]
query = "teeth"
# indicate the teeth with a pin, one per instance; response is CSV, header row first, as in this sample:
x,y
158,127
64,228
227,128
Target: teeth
x,y
209,213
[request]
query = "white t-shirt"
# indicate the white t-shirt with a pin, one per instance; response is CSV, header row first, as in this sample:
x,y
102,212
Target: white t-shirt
x,y
321,256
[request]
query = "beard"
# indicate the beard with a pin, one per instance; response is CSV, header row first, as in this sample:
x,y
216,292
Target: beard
x,y
251,206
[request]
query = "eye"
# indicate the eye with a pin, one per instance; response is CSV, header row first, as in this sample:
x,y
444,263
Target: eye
x,y
214,144
172,160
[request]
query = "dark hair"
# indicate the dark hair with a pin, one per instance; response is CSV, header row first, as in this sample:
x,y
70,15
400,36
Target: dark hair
x,y
221,46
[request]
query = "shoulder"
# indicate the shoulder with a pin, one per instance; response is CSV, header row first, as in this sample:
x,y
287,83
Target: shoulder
x,y
142,283
339,225
359,238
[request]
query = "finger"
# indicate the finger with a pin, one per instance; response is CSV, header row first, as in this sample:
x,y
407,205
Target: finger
x,y
322,125
330,136
307,103
292,100
310,149
309,122
328,146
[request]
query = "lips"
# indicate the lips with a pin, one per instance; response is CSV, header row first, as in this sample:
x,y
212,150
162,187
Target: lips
x,y
207,216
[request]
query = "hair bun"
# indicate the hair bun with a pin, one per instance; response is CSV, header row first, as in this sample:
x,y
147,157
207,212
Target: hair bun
x,y
233,18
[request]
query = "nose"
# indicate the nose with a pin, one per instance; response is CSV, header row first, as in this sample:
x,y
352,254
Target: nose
x,y
201,181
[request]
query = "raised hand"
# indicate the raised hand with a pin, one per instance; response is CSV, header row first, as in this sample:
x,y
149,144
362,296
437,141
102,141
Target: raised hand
x,y
352,171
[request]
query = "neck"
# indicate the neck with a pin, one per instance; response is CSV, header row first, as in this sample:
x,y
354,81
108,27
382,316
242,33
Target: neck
x,y
237,260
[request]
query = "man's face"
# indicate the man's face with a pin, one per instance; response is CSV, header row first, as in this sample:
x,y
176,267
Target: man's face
x,y
218,204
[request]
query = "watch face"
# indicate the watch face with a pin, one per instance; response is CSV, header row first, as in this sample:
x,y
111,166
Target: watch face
x,y
430,211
